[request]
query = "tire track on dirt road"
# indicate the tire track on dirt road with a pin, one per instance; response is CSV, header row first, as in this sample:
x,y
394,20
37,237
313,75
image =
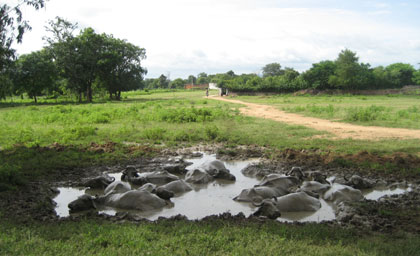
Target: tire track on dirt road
x,y
338,129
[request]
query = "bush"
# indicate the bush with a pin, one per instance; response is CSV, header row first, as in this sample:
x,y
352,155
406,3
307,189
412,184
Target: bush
x,y
154,133
212,132
365,114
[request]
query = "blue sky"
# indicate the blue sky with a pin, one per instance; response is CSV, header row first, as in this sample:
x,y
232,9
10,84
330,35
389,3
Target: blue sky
x,y
186,37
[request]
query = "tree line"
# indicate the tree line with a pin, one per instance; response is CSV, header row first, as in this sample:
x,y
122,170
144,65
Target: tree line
x,y
80,65
345,73
89,63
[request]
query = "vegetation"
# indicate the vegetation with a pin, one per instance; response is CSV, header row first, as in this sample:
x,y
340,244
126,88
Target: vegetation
x,y
216,237
12,28
30,132
38,140
344,73
82,65
401,111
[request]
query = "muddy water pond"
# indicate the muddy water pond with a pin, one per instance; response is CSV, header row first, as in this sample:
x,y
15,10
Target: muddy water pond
x,y
213,198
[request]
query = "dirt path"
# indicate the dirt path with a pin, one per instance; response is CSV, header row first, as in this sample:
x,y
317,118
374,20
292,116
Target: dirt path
x,y
340,130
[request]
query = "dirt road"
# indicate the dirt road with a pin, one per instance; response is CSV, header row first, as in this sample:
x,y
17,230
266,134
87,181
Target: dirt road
x,y
339,130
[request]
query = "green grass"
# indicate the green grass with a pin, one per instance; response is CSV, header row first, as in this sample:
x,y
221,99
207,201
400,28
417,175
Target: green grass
x,y
401,111
191,238
169,119
145,121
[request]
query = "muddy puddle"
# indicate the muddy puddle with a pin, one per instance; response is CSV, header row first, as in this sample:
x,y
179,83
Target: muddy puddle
x,y
214,198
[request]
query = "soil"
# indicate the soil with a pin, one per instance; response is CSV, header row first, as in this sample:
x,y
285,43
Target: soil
x,y
337,129
34,201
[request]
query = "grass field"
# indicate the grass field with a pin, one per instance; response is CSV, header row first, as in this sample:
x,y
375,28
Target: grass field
x,y
165,119
39,140
216,237
401,111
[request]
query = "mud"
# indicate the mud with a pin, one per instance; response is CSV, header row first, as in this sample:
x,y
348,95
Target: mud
x,y
388,214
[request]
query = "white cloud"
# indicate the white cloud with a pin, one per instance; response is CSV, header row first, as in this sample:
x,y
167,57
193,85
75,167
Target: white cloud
x,y
186,37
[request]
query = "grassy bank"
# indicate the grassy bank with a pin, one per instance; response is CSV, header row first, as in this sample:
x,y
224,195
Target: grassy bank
x,y
188,238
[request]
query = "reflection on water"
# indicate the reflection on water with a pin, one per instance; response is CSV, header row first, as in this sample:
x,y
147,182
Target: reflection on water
x,y
65,196
326,212
375,194
213,198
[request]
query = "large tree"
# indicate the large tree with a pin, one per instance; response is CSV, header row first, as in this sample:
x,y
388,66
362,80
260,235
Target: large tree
x,y
349,73
120,66
78,59
272,69
34,73
12,28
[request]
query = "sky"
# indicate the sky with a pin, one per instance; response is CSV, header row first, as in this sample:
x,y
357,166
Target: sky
x,y
184,37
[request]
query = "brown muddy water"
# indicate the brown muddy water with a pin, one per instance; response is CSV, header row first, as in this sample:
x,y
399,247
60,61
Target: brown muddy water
x,y
214,198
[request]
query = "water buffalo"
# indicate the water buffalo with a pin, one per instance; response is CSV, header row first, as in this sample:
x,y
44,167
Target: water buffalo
x,y
314,187
295,202
177,186
99,182
159,191
318,176
358,182
279,181
340,193
117,187
296,172
131,200
157,177
198,176
257,194
217,170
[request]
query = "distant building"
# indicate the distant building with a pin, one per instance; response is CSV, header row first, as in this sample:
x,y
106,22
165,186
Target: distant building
x,y
196,86
213,86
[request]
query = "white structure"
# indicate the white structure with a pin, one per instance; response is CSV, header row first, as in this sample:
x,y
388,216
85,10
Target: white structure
x,y
213,86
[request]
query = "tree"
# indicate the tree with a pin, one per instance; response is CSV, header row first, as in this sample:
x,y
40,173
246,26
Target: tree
x,y
192,79
60,30
272,69
120,66
290,74
317,76
12,27
231,74
416,77
163,81
78,58
34,73
400,74
202,78
381,78
349,74
178,83
6,85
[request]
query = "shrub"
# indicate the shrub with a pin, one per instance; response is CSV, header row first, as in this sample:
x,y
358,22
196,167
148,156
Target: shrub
x,y
154,133
365,114
212,132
